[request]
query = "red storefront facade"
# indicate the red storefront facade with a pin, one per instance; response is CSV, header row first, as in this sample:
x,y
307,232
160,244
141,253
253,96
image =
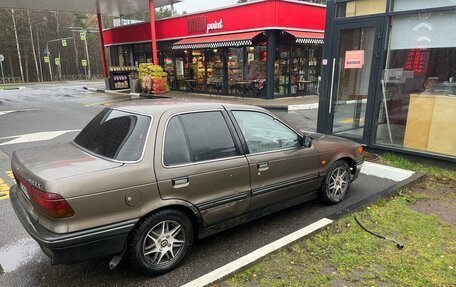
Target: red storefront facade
x,y
233,50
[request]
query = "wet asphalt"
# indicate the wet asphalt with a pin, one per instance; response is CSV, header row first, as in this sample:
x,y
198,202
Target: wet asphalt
x,y
51,107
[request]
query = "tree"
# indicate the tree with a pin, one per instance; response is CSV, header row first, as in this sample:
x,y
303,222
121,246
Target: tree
x,y
33,45
164,12
17,44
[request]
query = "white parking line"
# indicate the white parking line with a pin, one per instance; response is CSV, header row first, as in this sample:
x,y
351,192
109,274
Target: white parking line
x,y
13,111
252,257
303,107
34,137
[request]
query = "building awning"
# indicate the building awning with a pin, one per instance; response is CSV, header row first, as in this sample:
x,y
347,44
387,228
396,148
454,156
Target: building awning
x,y
230,40
308,37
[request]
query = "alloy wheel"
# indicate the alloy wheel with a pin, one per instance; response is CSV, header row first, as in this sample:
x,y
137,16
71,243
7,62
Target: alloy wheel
x,y
164,242
338,182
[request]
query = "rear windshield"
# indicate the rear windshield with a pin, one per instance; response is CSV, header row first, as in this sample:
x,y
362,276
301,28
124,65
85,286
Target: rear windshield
x,y
116,135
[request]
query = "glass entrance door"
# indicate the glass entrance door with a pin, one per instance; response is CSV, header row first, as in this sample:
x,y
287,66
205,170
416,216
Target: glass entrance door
x,y
353,81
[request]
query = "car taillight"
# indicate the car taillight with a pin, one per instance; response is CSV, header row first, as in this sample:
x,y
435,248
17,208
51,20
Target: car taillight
x,y
51,204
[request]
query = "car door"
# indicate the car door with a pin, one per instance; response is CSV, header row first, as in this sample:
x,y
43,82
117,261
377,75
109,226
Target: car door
x,y
281,168
200,161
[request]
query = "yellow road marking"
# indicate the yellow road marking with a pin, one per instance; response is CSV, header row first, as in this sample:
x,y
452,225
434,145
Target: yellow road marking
x,y
9,173
4,190
105,103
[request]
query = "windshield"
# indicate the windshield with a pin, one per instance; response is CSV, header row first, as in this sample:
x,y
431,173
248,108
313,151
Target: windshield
x,y
115,134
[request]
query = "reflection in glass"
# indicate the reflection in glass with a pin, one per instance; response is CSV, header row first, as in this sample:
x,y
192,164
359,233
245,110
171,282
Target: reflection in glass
x,y
418,110
353,81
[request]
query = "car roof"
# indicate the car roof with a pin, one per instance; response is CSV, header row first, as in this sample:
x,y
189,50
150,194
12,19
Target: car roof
x,y
154,107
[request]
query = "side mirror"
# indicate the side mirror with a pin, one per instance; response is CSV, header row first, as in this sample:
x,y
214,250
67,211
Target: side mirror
x,y
306,141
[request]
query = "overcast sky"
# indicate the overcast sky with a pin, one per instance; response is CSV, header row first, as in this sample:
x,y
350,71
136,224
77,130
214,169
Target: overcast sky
x,y
200,5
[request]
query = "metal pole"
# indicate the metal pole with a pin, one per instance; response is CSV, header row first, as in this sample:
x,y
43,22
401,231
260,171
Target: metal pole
x,y
49,58
59,67
3,75
39,53
271,51
87,56
152,31
76,53
103,52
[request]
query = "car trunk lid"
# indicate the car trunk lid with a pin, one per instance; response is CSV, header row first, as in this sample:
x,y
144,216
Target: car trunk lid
x,y
57,161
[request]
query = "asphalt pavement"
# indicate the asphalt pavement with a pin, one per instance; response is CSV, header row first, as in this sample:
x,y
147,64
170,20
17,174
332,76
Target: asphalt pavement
x,y
56,112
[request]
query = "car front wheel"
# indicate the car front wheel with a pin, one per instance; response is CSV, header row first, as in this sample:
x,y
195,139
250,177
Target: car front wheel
x,y
336,183
160,242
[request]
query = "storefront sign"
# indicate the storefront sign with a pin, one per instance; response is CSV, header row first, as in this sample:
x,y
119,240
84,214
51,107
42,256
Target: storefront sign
x,y
354,59
199,25
217,25
196,24
417,61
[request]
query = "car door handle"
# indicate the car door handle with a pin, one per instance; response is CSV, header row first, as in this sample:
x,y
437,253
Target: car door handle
x,y
263,166
180,182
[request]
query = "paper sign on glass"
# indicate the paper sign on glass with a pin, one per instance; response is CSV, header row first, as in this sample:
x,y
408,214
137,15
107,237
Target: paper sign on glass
x,y
354,59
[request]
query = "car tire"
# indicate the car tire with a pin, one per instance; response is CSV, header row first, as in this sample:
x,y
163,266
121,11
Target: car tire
x,y
160,242
336,183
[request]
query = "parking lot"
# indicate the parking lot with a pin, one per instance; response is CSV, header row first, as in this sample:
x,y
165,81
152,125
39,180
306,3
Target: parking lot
x,y
42,114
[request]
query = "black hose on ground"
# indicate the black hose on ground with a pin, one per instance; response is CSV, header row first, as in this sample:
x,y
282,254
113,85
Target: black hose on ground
x,y
399,244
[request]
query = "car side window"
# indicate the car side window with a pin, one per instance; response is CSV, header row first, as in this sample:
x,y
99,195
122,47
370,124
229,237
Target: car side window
x,y
176,149
208,136
263,133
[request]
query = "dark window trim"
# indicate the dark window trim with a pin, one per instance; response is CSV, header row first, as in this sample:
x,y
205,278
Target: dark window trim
x,y
414,152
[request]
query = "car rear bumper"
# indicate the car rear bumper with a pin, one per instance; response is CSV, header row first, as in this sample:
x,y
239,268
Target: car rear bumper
x,y
75,246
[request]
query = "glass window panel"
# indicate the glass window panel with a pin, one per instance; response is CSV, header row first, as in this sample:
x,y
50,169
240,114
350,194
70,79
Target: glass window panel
x,y
404,5
197,71
360,8
282,69
208,136
419,92
176,149
423,30
115,134
263,133
215,70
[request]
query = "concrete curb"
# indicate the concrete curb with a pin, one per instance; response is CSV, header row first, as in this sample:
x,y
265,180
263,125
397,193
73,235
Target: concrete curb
x,y
94,90
12,88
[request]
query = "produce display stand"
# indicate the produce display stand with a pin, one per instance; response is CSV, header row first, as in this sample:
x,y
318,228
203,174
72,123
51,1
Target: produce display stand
x,y
119,77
